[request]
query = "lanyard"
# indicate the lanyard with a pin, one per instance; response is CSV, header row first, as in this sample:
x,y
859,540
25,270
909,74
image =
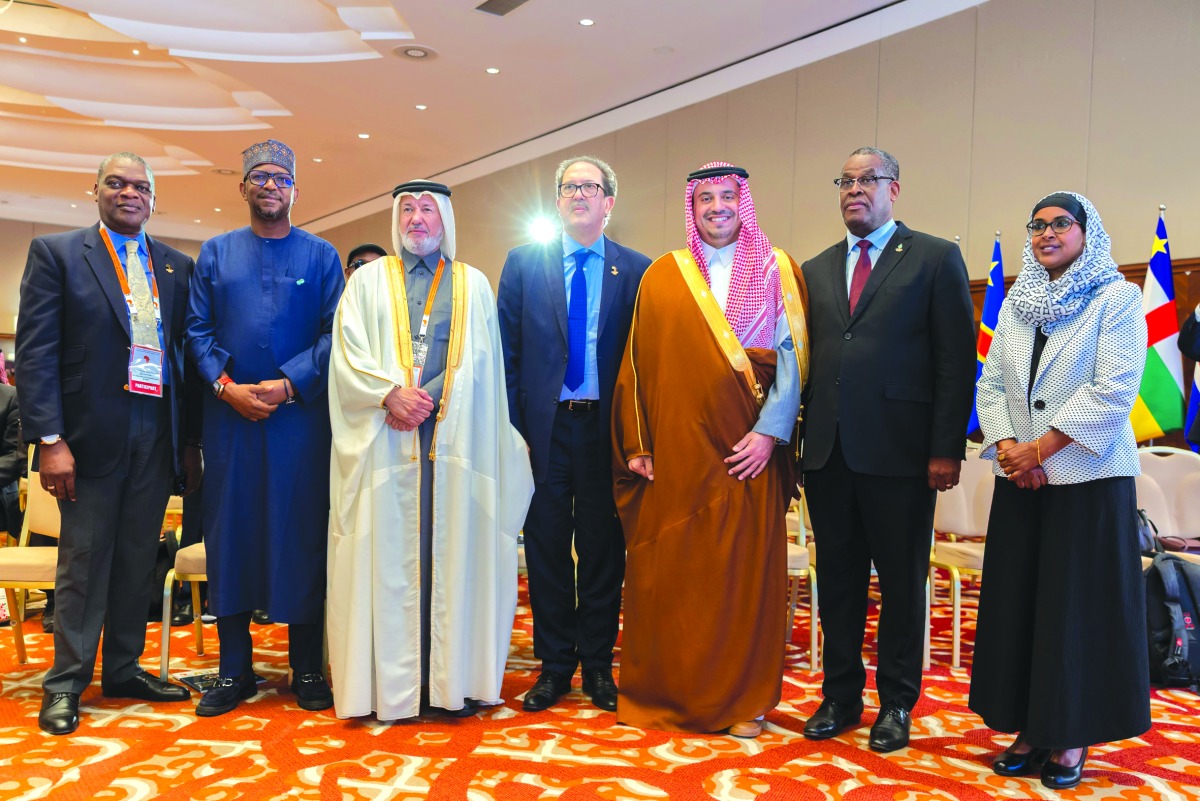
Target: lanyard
x,y
437,276
124,280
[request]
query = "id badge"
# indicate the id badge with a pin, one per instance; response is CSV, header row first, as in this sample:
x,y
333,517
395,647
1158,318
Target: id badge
x,y
420,352
145,371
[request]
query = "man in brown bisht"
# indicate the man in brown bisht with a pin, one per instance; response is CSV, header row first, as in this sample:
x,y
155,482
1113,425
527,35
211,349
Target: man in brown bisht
x,y
704,431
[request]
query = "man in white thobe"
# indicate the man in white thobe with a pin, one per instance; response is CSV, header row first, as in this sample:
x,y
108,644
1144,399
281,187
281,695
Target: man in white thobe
x,y
430,482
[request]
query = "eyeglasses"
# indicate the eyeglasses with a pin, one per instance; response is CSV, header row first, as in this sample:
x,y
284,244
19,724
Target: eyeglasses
x,y
589,189
281,179
867,182
354,265
1060,225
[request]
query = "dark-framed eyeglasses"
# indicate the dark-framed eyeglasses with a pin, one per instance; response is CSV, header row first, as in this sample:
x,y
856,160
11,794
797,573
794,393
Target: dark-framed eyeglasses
x,y
354,265
589,189
1059,225
281,179
867,182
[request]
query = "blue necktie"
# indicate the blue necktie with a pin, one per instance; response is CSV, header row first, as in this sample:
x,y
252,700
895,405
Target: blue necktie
x,y
577,315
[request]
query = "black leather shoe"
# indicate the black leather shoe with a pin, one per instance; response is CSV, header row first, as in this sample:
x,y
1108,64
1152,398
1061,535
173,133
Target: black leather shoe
x,y
60,713
182,615
312,693
546,691
1013,764
469,708
891,729
832,718
225,695
262,617
1062,777
145,687
48,620
598,685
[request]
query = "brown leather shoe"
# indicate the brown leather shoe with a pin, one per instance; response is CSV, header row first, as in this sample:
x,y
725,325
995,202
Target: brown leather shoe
x,y
748,729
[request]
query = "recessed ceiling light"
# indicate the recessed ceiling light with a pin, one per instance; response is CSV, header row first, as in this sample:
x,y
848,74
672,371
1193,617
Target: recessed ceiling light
x,y
74,205
317,160
22,39
196,220
587,23
415,52
137,52
87,191
216,209
421,107
493,70
364,136
223,171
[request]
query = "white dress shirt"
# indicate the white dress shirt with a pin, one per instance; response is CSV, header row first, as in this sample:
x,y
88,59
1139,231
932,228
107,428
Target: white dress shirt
x,y
720,269
878,239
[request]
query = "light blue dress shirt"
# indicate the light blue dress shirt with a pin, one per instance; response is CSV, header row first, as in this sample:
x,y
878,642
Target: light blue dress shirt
x,y
593,274
118,242
878,239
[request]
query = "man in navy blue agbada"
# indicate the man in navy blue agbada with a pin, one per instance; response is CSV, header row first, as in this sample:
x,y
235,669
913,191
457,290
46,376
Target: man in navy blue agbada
x,y
259,331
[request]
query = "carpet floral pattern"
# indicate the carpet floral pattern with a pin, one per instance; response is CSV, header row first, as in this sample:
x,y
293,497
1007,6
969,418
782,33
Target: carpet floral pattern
x,y
271,749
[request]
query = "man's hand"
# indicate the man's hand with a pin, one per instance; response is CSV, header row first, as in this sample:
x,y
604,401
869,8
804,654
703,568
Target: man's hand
x,y
750,455
273,392
409,405
193,469
943,472
643,466
245,401
392,422
58,470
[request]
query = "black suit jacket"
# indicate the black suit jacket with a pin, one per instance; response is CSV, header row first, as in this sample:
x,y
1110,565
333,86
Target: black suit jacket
x,y
73,348
532,300
1189,343
12,451
895,380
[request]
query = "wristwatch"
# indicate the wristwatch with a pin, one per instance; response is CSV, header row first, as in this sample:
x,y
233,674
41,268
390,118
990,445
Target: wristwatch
x,y
218,386
52,439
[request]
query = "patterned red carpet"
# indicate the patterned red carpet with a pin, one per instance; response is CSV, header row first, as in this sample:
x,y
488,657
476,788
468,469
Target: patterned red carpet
x,y
270,749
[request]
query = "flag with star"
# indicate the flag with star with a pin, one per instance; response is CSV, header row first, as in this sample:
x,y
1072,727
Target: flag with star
x,y
1159,406
993,299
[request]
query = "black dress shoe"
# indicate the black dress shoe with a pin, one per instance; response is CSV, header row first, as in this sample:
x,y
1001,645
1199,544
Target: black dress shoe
x,y
60,713
1013,764
1062,777
48,620
262,617
312,692
182,614
832,718
145,687
598,685
225,695
546,691
469,708
891,729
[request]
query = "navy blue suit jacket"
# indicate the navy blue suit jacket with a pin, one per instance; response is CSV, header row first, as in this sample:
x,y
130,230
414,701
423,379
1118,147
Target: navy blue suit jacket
x,y
73,347
533,328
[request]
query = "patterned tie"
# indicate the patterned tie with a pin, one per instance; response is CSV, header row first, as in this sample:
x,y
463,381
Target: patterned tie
x,y
577,323
862,271
143,327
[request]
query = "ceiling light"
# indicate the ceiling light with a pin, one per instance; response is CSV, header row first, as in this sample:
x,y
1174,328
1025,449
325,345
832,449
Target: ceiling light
x,y
364,136
74,205
223,171
542,229
317,160
137,52
196,220
421,107
587,23
216,209
493,70
22,39
87,191
415,52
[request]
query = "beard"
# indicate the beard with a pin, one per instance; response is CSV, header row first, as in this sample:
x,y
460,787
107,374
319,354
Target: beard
x,y
278,213
430,244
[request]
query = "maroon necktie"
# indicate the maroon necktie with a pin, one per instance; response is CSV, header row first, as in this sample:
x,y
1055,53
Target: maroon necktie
x,y
862,271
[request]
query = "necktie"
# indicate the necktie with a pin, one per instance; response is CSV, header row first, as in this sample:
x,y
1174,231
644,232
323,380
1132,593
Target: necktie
x,y
577,322
862,271
143,327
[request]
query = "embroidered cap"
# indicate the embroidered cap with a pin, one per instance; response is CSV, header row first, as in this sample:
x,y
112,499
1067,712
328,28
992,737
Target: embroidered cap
x,y
271,151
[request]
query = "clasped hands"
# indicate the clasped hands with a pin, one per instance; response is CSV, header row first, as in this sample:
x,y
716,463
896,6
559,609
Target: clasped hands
x,y
1019,461
256,401
407,408
749,458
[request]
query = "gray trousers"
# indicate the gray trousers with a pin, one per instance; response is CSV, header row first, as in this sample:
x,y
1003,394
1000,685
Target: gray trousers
x,y
106,555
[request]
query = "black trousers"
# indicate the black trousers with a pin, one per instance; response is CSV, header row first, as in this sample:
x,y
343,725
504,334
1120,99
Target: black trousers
x,y
1060,648
305,643
858,519
106,556
575,610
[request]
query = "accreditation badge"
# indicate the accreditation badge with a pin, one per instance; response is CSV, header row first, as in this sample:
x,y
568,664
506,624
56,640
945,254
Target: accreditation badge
x,y
145,371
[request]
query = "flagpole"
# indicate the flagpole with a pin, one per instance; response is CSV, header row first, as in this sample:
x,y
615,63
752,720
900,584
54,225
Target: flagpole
x,y
1162,211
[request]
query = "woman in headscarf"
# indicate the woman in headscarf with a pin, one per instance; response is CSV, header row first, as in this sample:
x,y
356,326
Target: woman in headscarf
x,y
1060,651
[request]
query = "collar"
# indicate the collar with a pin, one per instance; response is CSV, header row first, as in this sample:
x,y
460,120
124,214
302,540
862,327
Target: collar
x,y
119,241
411,260
726,253
878,238
569,246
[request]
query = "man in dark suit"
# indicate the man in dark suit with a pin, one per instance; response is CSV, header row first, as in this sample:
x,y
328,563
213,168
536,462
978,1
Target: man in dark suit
x,y
892,336
1189,344
101,308
565,309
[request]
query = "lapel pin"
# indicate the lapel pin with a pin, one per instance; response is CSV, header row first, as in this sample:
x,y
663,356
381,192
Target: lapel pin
x,y
170,269
900,248
614,269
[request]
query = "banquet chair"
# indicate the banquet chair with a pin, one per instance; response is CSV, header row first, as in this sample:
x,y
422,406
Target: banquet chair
x,y
30,568
802,565
191,565
1177,473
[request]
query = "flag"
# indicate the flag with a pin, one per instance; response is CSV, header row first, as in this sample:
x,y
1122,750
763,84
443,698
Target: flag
x,y
1158,409
1193,407
993,298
